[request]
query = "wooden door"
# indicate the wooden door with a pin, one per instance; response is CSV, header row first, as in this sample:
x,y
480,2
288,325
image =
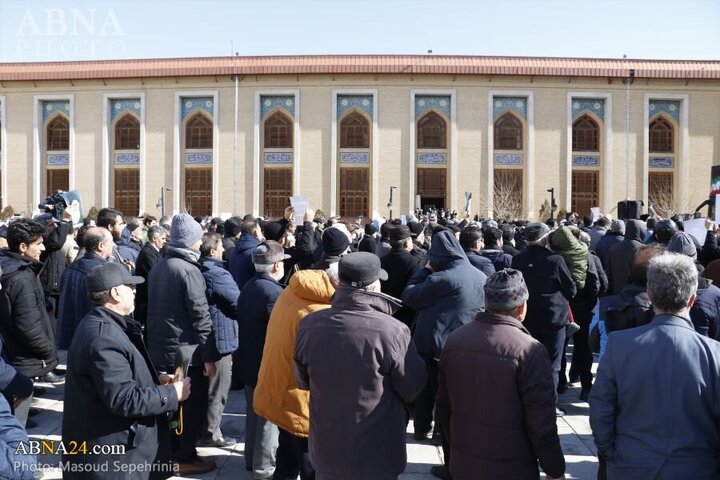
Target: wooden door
x,y
585,191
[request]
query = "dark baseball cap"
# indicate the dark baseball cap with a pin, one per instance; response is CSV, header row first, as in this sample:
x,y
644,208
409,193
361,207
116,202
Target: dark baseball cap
x,y
360,269
110,275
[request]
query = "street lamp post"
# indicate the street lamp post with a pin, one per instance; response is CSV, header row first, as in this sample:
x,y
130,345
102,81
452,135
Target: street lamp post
x,y
161,201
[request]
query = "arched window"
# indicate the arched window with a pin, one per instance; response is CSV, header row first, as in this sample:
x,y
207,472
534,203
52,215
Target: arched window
x,y
127,133
585,135
508,133
431,131
661,136
278,131
58,134
199,132
354,131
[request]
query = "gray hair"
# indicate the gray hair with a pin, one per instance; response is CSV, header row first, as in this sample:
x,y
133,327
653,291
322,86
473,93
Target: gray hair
x,y
263,267
156,231
100,298
672,279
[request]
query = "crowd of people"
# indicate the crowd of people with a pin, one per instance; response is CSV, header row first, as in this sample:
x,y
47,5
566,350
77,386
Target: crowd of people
x,y
342,334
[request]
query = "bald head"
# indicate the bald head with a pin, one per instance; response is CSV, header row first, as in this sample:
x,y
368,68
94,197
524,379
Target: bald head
x,y
98,240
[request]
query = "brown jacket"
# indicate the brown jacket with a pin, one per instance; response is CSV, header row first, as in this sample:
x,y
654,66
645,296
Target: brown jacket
x,y
361,367
496,402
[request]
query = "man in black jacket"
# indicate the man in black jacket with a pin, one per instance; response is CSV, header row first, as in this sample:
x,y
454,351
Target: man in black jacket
x,y
621,256
151,254
113,395
400,265
471,240
24,321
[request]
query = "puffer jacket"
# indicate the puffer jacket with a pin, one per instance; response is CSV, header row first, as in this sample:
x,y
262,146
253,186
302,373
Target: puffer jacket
x,y
178,311
445,298
574,252
222,294
24,322
277,396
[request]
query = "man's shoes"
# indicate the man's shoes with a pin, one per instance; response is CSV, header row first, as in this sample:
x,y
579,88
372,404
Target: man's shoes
x,y
51,378
422,436
441,471
223,442
559,413
195,467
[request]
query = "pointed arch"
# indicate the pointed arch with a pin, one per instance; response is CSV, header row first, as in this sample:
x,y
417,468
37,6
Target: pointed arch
x,y
278,130
432,131
199,131
661,135
57,134
585,134
127,132
508,132
354,130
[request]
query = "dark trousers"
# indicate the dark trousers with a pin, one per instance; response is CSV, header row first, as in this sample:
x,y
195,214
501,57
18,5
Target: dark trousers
x,y
194,410
425,401
582,355
219,388
292,458
554,342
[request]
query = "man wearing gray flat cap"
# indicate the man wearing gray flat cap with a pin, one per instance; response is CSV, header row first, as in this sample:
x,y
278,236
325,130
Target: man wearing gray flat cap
x,y
356,346
113,395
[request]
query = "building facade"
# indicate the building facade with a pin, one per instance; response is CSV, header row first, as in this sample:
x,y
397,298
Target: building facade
x,y
242,134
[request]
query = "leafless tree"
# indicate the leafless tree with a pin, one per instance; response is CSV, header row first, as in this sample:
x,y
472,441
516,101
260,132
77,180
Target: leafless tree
x,y
507,198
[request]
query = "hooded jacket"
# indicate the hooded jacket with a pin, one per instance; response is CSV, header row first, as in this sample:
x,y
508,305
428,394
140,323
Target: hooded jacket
x,y
24,322
446,297
621,256
361,367
574,252
240,262
277,396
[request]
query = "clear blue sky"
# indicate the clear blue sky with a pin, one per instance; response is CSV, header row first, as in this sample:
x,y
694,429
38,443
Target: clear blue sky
x,y
40,30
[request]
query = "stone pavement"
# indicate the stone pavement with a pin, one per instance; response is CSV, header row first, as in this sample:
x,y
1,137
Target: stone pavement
x,y
574,430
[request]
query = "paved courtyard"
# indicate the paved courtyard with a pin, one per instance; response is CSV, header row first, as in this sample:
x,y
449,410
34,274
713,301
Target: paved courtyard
x,y
573,428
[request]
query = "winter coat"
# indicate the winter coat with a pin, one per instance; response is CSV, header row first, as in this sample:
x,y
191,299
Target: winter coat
x,y
222,295
400,266
24,321
550,286
585,301
178,311
74,302
54,259
148,258
705,312
710,250
240,263
631,308
367,244
653,407
495,398
307,238
113,395
383,247
229,244
574,252
609,240
447,297
596,234
277,396
128,249
13,384
257,299
14,463
499,258
621,256
361,368
481,262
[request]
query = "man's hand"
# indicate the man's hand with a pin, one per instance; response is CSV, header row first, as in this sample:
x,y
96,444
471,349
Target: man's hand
x,y
165,379
182,389
210,370
709,225
288,214
309,215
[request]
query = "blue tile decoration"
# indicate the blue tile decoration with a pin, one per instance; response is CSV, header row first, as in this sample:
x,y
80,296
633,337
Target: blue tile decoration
x,y
432,158
58,159
508,159
586,161
362,102
278,157
515,104
119,106
51,107
198,158
354,157
268,103
190,104
669,107
661,162
127,159
423,103
594,105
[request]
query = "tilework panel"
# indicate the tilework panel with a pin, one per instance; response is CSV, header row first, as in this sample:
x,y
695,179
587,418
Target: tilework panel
x,y
586,161
516,104
120,105
286,102
198,158
431,158
58,159
508,159
423,103
594,105
670,107
50,107
190,104
278,157
354,157
661,162
347,102
127,159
